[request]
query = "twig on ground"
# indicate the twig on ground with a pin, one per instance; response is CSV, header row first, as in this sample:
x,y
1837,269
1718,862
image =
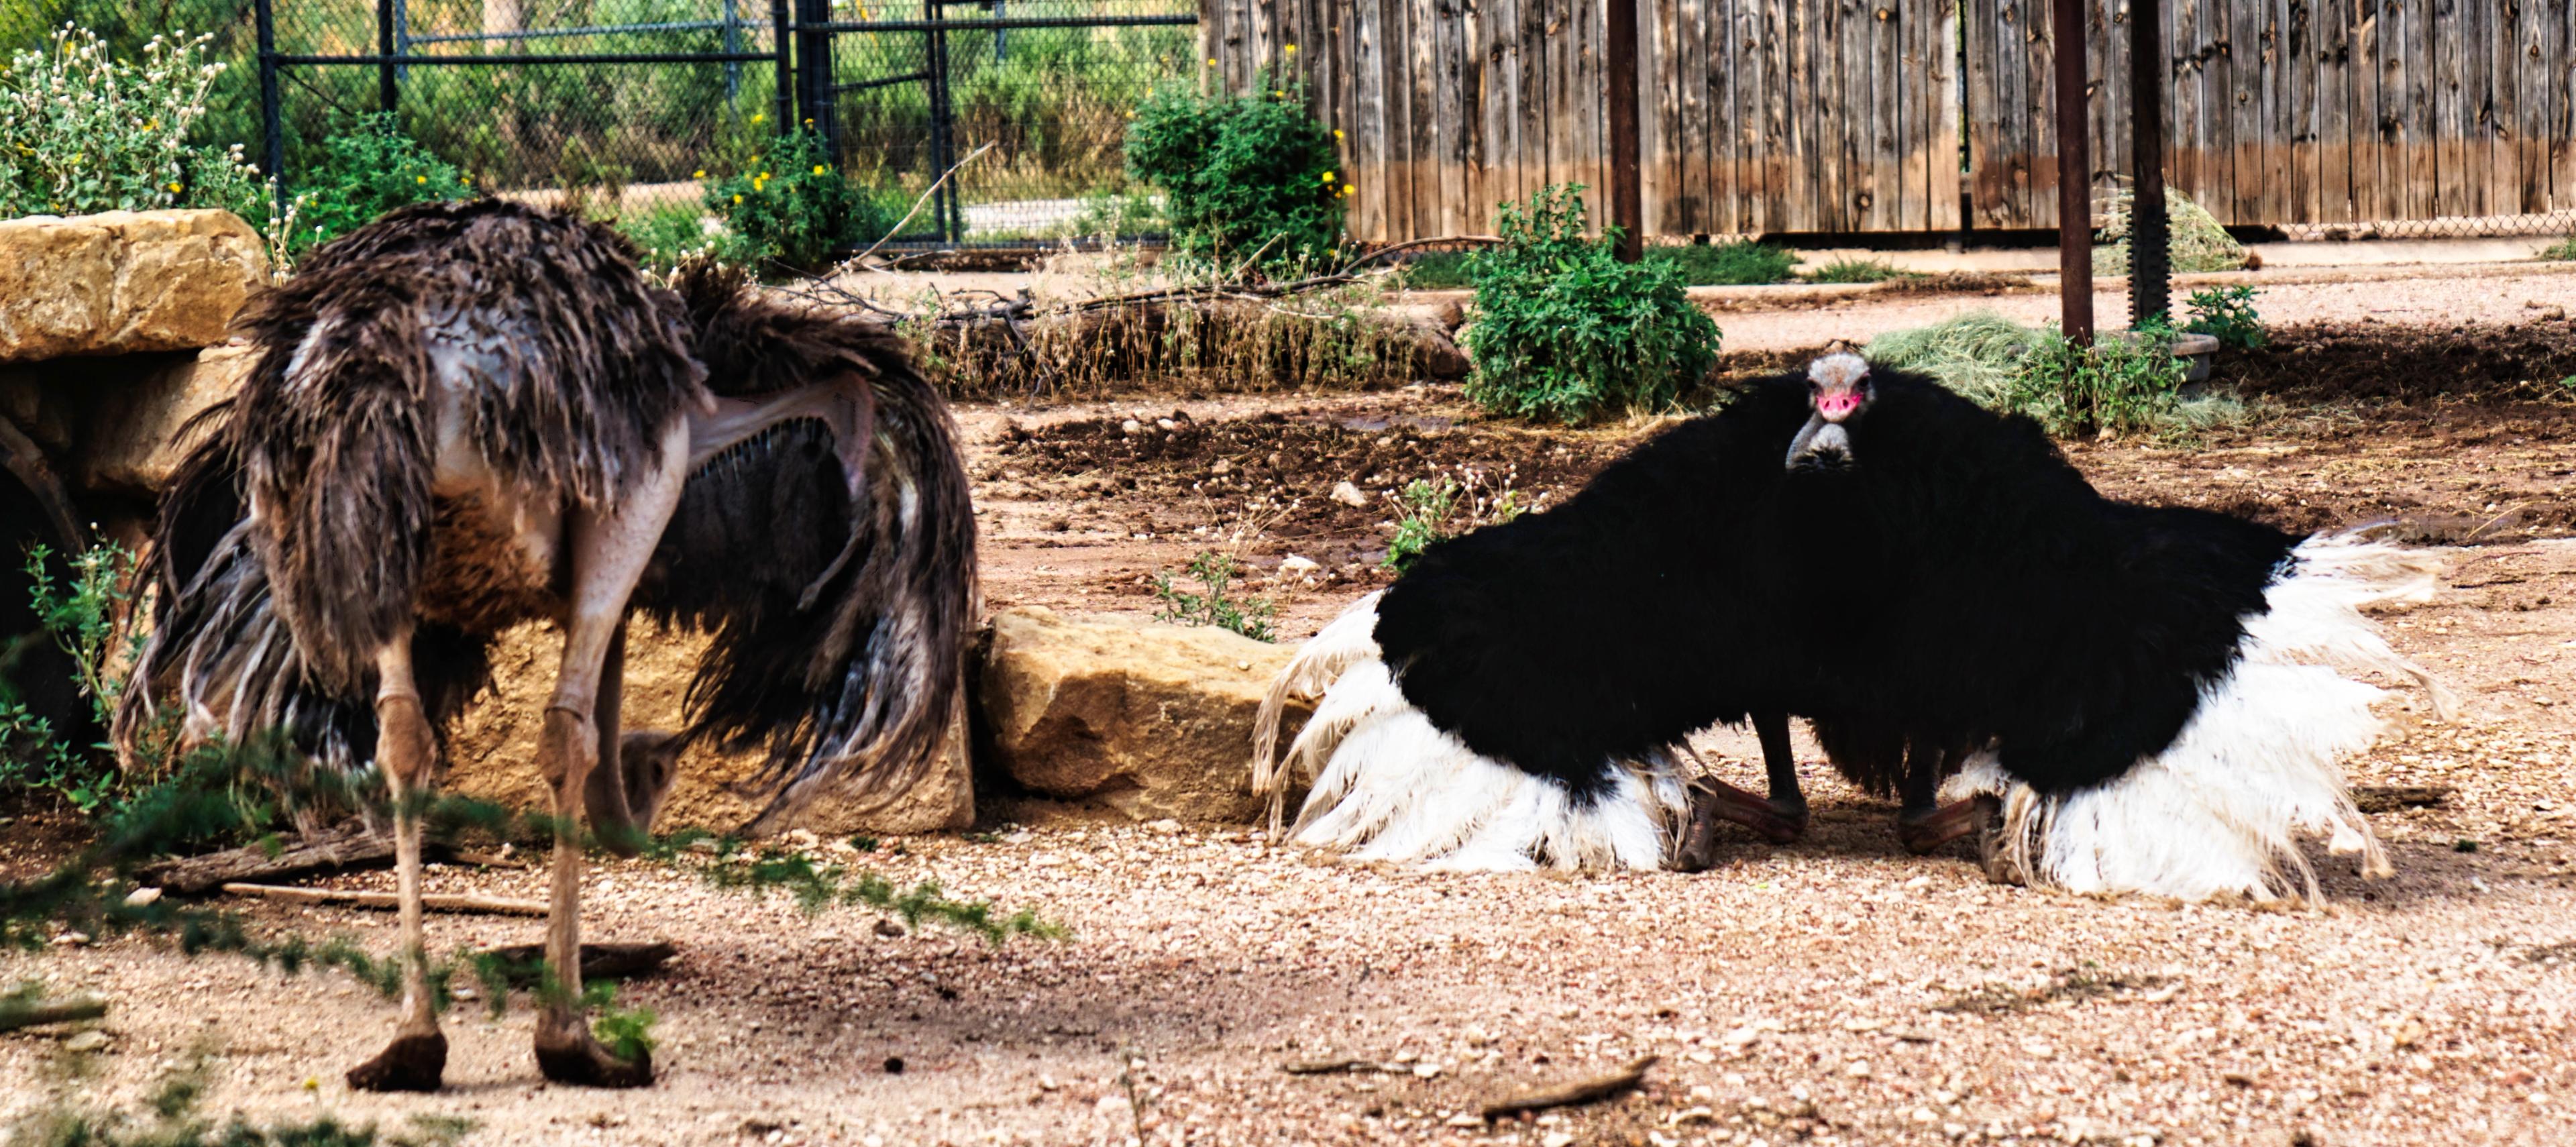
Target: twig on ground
x,y
435,902
2390,798
1332,1067
852,263
1573,1094
16,1013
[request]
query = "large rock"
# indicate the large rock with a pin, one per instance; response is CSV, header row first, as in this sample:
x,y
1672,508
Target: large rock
x,y
1146,720
134,441
124,282
493,752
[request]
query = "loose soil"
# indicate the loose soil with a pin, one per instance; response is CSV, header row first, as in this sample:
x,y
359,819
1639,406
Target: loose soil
x,y
1830,991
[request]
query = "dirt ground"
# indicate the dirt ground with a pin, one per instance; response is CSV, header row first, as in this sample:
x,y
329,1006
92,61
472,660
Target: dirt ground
x,y
1830,991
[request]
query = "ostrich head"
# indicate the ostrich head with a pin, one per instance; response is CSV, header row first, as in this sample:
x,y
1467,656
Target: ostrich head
x,y
1838,390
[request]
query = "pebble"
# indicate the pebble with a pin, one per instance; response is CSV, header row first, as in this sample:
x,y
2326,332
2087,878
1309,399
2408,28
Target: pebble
x,y
142,896
87,1041
1349,495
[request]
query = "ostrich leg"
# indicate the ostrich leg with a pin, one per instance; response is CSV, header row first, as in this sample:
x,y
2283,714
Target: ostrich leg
x,y
417,1058
608,554
635,770
1780,819
1924,823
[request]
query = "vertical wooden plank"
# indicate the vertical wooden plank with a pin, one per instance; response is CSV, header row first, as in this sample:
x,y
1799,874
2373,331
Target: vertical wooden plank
x,y
1705,83
1369,100
2450,111
2477,103
1498,26
2504,108
2038,127
2389,35
1941,109
2560,57
1754,133
2334,111
1588,101
1982,28
2217,189
2423,181
1533,136
2244,82
2299,67
2106,52
1890,80
1789,177
1453,110
1833,112
2182,95
1658,105
1911,142
1423,118
2360,19
2531,107
1778,146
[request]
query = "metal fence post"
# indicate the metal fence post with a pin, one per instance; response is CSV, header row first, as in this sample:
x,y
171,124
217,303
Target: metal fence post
x,y
272,118
732,43
388,92
784,99
402,37
935,47
2150,247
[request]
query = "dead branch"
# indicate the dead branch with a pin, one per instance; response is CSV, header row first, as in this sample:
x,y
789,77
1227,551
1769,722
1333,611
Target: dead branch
x,y
1574,1094
2390,798
70,1009
598,961
1334,1067
347,846
435,902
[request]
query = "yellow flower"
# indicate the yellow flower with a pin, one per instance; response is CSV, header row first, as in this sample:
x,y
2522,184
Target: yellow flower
x,y
1276,94
764,175
1337,133
1211,61
700,173
1328,177
819,169
420,179
756,117
809,121
1292,49
174,187
312,1084
737,199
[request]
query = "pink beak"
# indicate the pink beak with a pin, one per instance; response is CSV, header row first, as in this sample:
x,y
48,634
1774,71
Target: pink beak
x,y
1837,405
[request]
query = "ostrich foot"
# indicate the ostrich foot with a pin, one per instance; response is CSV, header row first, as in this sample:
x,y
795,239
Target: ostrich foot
x,y
568,1053
1925,829
1993,854
1778,820
415,1061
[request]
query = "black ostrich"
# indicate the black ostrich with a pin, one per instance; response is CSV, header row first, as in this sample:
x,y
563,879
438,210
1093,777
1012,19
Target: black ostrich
x,y
2147,696
465,417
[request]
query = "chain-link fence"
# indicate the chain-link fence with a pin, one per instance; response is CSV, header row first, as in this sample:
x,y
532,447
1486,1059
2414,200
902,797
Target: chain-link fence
x,y
622,106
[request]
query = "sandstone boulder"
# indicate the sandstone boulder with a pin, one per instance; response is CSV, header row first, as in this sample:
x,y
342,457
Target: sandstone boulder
x,y
124,282
134,441
493,753
1138,718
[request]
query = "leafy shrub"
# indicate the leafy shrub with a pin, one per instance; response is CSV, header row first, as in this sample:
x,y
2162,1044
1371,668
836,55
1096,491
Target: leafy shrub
x,y
80,615
792,207
365,172
1854,271
1977,354
1215,573
1434,509
83,132
1563,330
674,233
2124,382
2228,315
1243,177
1743,263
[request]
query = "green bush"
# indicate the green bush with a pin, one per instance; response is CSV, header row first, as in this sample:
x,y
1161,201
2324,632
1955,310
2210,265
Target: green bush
x,y
1243,177
1739,264
2125,382
674,233
1565,331
365,172
79,614
2228,315
1854,271
791,207
83,132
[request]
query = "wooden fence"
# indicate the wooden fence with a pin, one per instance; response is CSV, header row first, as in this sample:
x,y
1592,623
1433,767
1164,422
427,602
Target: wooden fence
x,y
1845,115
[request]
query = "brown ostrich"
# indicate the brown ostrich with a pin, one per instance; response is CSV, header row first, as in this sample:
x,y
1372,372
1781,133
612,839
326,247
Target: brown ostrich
x,y
465,417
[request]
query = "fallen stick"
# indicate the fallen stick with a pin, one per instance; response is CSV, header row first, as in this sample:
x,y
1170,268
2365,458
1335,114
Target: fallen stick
x,y
1332,1066
15,1015
435,902
347,846
2390,798
1574,1094
598,961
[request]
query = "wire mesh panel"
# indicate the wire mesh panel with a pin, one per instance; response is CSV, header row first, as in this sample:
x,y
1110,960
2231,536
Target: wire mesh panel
x,y
614,105
1038,92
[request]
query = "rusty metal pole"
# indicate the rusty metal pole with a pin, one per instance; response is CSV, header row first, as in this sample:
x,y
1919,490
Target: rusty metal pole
x,y
2074,173
2150,253
1627,199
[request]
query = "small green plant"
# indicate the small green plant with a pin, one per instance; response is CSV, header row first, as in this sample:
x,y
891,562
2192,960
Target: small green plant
x,y
1215,572
2122,383
1565,331
2228,315
791,207
83,132
169,1117
672,234
1429,510
366,171
1245,178
79,612
2563,250
1854,271
1743,263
